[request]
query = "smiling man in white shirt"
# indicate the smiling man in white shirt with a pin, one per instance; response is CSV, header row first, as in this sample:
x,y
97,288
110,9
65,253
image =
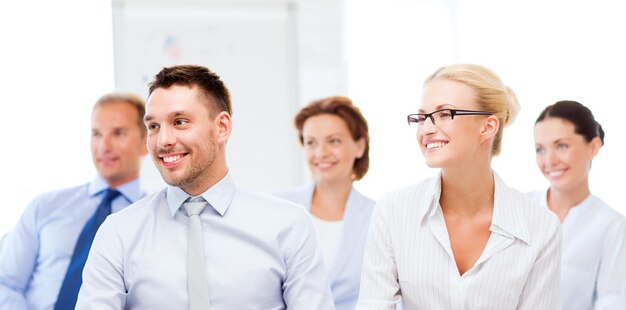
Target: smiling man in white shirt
x,y
259,252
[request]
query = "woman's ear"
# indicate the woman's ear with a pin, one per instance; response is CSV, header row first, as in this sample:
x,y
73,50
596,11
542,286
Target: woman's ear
x,y
360,147
595,145
490,128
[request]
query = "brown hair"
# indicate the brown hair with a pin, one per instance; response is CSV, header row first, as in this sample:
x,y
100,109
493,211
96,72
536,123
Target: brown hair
x,y
191,75
576,113
351,115
131,99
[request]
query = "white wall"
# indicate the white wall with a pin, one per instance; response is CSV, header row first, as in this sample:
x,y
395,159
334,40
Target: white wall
x,y
549,51
392,45
56,63
274,56
545,50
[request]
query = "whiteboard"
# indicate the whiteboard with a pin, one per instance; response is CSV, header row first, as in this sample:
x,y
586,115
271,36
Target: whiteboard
x,y
252,46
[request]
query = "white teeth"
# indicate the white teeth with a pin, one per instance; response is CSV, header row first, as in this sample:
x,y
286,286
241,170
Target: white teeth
x,y
435,145
324,165
169,159
555,173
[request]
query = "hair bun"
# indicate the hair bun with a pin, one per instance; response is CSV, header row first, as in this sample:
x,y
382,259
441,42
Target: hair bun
x,y
513,106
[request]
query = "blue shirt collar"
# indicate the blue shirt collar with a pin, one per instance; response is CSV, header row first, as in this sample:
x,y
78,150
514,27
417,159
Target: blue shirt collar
x,y
131,191
219,196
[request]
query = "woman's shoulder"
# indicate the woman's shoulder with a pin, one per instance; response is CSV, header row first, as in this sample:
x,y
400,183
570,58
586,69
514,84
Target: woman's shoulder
x,y
526,210
537,196
360,199
605,213
416,195
301,195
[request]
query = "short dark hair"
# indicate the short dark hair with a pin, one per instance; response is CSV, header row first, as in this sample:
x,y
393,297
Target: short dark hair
x,y
576,113
357,125
133,100
192,75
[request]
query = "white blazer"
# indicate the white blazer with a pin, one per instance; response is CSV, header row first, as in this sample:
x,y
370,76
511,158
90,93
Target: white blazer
x,y
345,271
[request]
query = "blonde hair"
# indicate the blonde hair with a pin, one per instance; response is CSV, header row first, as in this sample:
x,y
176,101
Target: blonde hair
x,y
491,94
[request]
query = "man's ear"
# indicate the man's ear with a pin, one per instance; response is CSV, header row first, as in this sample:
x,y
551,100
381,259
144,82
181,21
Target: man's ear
x,y
224,125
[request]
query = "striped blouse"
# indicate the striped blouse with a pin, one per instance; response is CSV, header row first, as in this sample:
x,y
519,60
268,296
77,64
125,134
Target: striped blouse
x,y
408,255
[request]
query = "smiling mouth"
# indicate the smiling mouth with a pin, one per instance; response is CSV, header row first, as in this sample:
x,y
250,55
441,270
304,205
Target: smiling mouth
x,y
435,145
324,165
107,161
171,160
555,173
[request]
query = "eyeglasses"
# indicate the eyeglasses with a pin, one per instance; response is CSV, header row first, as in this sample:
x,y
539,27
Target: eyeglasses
x,y
442,115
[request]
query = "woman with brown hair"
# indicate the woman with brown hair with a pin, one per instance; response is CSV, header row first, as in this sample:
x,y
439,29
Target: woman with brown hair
x,y
334,136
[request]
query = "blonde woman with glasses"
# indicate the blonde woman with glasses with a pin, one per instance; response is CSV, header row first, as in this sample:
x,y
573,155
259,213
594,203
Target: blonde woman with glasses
x,y
462,239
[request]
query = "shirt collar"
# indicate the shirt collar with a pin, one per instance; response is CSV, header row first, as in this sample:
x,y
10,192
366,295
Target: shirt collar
x,y
507,217
219,196
429,198
574,211
544,199
309,190
131,191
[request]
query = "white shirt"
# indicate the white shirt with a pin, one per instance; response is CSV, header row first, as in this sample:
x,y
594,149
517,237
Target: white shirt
x,y
329,233
408,253
261,252
344,272
593,264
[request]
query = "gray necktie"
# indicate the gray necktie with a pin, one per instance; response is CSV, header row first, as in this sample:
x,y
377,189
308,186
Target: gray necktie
x,y
197,286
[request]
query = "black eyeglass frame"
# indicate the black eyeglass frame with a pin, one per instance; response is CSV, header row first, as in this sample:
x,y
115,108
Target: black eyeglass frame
x,y
412,118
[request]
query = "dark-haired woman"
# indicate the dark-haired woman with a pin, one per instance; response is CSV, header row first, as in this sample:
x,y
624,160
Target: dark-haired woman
x,y
593,265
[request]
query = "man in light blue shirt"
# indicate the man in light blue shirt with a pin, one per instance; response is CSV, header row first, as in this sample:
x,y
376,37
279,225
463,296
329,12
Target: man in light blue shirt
x,y
35,256
257,251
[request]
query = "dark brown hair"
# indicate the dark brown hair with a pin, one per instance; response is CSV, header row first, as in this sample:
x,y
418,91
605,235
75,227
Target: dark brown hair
x,y
576,113
191,75
131,99
351,115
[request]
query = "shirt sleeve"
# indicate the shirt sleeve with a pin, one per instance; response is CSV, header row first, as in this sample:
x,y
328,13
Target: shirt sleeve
x,y
379,279
611,282
543,286
18,259
103,276
306,285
